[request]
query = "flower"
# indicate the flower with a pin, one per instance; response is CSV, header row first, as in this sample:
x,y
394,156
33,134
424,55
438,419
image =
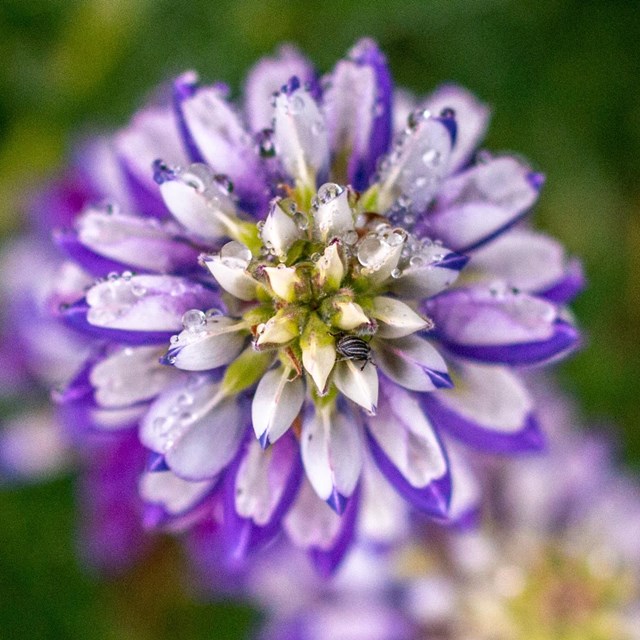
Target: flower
x,y
544,565
351,295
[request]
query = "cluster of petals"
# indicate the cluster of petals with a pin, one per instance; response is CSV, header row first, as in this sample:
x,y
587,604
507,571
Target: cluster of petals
x,y
303,305
548,563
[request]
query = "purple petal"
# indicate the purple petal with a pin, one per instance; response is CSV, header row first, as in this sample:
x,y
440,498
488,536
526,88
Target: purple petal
x,y
490,409
267,77
472,117
479,204
213,134
500,325
358,108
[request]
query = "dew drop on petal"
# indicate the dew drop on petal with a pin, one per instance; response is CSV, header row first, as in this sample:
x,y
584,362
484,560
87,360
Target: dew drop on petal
x,y
194,320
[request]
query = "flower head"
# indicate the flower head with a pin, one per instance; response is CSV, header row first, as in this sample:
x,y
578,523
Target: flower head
x,y
282,305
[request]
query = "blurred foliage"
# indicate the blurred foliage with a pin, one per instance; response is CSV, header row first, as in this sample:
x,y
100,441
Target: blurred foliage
x,y
562,77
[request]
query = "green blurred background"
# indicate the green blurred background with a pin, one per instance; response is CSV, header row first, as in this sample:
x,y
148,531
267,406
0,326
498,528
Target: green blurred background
x,y
562,78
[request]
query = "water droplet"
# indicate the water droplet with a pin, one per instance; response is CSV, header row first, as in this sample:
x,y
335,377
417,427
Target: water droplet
x,y
194,320
328,192
416,261
214,313
296,105
396,273
432,157
266,146
223,182
317,127
235,254
416,117
350,237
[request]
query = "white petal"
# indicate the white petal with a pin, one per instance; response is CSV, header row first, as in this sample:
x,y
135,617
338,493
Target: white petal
x,y
318,352
330,268
195,427
276,403
144,302
350,315
280,231
172,493
262,478
357,383
279,329
416,166
431,271
215,342
402,430
409,361
229,269
283,281
489,396
310,522
396,319
130,375
331,448
152,134
332,215
300,135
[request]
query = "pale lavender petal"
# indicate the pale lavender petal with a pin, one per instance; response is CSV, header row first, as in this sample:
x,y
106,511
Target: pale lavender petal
x,y
267,77
489,409
477,205
499,325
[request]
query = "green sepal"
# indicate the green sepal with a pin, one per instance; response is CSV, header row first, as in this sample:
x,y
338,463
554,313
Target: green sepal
x,y
245,370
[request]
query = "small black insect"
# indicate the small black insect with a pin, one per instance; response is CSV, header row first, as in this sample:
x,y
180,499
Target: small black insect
x,y
354,348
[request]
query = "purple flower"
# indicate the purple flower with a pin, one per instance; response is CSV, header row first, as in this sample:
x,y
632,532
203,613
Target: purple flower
x,y
299,297
561,563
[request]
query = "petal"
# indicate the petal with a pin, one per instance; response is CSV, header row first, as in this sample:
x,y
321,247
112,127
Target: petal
x,y
279,230
195,426
412,363
358,383
129,375
428,273
214,134
314,526
276,404
408,451
332,214
152,134
466,491
318,351
267,77
331,447
210,342
267,482
500,325
477,205
531,262
283,281
489,408
148,303
140,243
395,318
300,135
197,198
172,494
472,117
229,268
412,173
357,104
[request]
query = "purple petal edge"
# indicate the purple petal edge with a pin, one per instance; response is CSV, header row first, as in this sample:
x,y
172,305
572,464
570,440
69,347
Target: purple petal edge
x,y
433,499
528,439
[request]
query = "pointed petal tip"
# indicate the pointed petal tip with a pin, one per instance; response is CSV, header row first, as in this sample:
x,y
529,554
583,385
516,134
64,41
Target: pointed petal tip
x,y
263,439
453,261
156,462
168,359
440,379
337,501
448,120
536,180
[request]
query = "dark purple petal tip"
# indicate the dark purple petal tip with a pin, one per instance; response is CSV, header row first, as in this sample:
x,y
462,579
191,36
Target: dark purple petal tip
x,y
453,261
536,180
440,379
162,172
264,440
448,120
185,85
292,85
337,502
156,462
